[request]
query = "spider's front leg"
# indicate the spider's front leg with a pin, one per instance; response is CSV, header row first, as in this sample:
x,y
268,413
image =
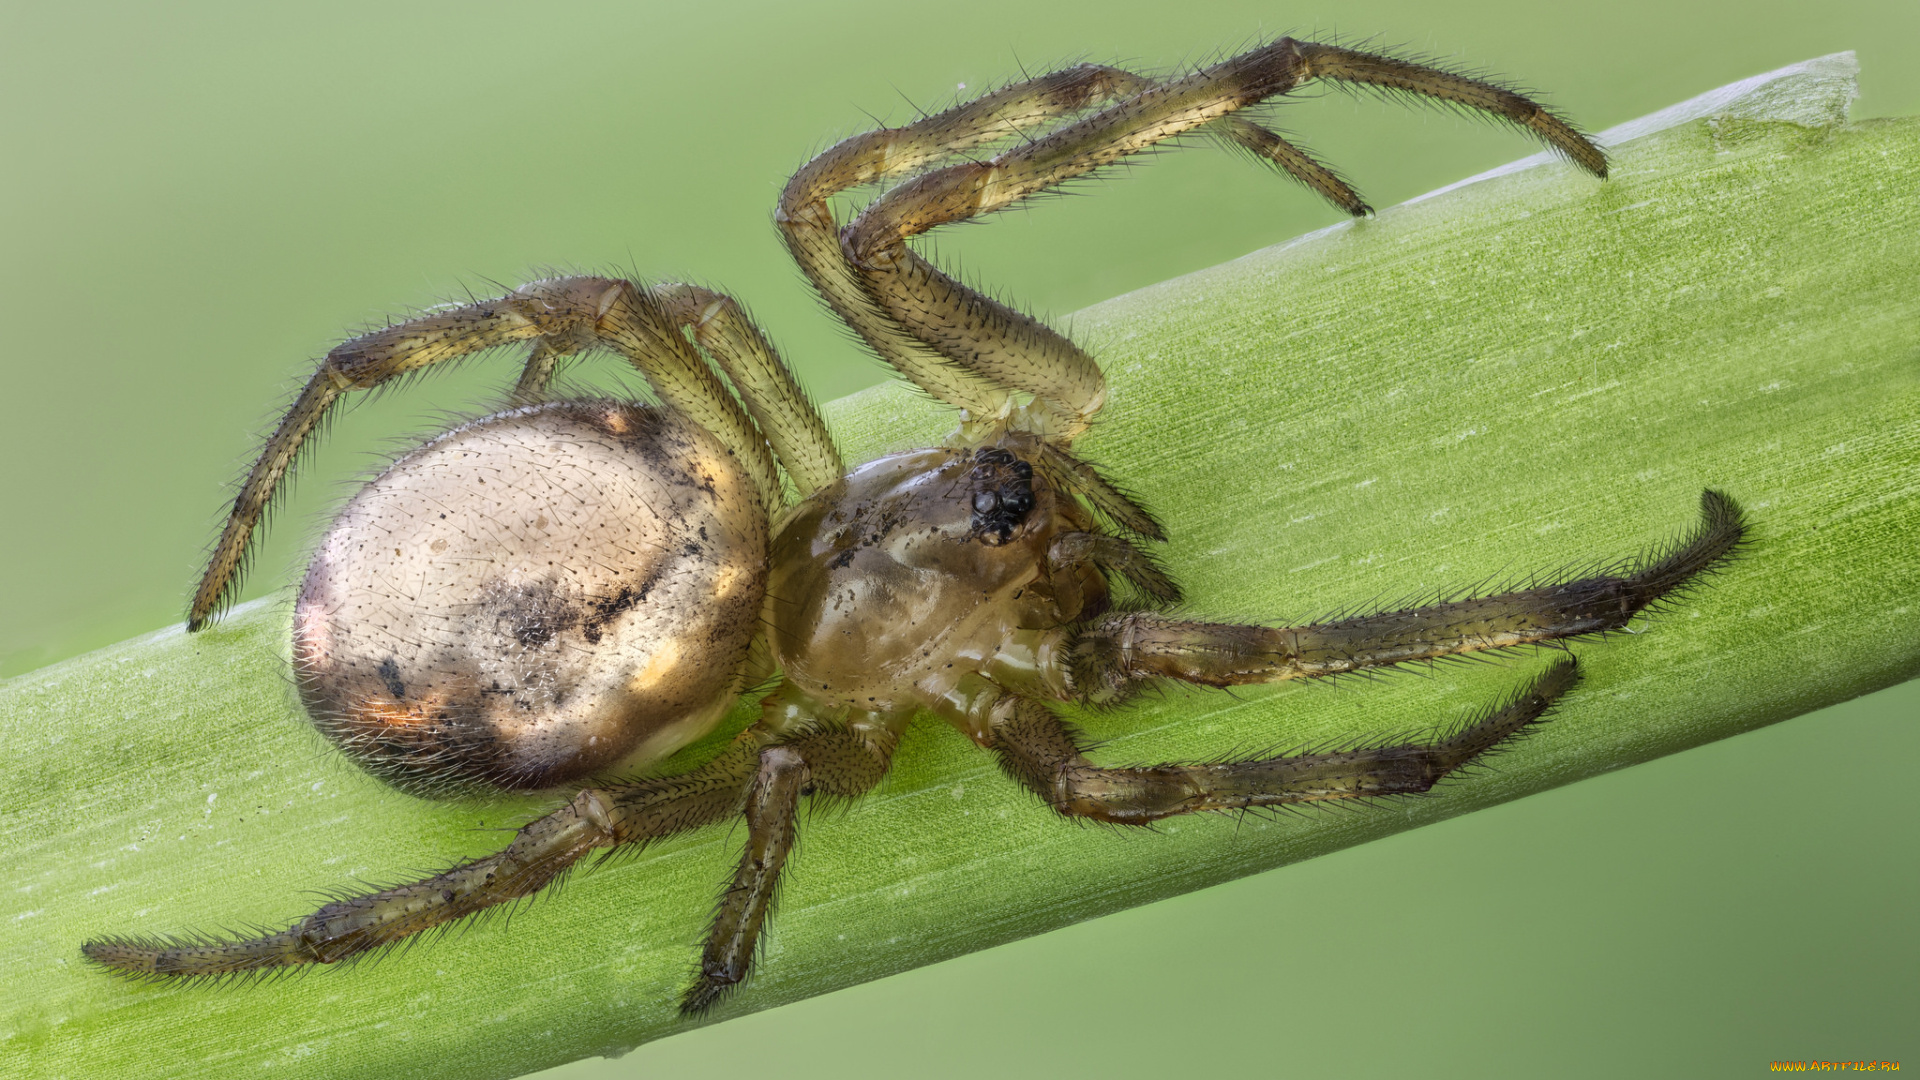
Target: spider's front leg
x,y
971,350
555,318
1118,653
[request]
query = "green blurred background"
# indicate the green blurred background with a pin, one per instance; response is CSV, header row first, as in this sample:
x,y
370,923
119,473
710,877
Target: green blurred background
x,y
200,199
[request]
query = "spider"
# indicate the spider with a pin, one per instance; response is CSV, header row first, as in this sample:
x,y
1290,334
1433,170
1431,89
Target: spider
x,y
575,589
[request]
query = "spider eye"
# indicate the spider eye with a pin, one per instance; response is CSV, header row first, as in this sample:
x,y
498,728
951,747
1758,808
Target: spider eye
x,y
1002,494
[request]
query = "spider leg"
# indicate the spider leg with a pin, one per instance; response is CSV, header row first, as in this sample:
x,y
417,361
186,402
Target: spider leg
x,y
542,850
538,372
559,316
1271,148
813,235
833,761
1067,472
779,406
1040,751
762,774
743,908
1010,349
1402,76
1110,658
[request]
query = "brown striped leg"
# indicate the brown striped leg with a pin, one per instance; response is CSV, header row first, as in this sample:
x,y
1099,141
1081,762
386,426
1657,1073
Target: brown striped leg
x,y
1109,659
838,762
763,781
779,406
1401,76
1243,134
560,315
1010,349
813,235
1041,752
542,850
743,909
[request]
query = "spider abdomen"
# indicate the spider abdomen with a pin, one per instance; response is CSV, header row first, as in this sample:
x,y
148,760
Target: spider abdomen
x,y
532,598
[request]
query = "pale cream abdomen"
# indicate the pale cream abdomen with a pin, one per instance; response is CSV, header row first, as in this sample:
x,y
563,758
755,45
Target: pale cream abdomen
x,y
533,598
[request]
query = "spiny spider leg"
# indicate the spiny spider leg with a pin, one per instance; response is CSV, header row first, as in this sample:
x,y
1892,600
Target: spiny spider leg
x,y
560,315
1069,473
1040,751
1402,76
1119,652
812,233
1012,350
544,848
783,411
761,775
836,762
1317,176
743,908
542,361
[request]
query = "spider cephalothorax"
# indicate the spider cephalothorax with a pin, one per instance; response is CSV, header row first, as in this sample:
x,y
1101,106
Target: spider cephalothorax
x,y
575,589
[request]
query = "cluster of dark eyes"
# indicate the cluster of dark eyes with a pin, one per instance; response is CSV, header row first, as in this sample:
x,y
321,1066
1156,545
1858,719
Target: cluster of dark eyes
x,y
1002,494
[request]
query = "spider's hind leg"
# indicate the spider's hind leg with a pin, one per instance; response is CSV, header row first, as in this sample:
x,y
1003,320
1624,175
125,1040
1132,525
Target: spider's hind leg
x,y
542,851
556,317
761,775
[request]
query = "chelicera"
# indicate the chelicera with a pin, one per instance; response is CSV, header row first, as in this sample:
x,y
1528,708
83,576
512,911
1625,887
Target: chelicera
x,y
572,590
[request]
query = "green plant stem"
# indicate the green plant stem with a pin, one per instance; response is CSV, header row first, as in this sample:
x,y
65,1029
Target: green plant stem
x,y
1527,372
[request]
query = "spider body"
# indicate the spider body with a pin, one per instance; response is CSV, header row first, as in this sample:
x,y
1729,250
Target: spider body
x,y
592,597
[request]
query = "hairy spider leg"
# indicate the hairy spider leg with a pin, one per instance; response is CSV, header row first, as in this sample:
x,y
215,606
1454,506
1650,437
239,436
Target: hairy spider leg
x,y
836,762
542,360
772,803
1113,656
813,234
783,411
1010,349
761,775
1118,653
1391,75
1043,753
542,850
1070,473
1316,175
560,315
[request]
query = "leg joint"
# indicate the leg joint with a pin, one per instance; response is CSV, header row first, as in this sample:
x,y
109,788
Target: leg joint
x,y
594,807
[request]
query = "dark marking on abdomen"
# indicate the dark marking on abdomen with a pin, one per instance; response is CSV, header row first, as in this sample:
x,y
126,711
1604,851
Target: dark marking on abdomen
x,y
389,673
